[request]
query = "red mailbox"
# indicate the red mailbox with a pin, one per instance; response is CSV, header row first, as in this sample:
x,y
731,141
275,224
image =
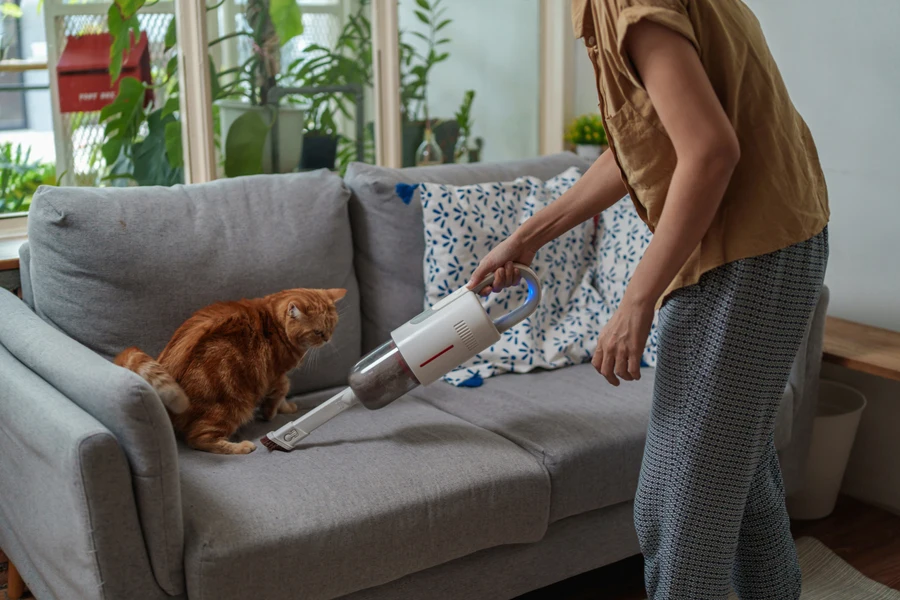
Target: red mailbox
x,y
83,72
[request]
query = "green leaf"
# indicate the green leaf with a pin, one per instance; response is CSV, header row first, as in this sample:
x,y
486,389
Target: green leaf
x,y
244,145
441,57
287,19
174,147
171,37
424,4
111,149
215,89
123,117
150,164
423,17
172,104
172,66
129,8
122,23
117,32
420,35
8,9
443,24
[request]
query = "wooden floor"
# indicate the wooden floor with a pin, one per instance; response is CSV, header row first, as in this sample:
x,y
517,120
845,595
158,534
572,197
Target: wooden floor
x,y
866,537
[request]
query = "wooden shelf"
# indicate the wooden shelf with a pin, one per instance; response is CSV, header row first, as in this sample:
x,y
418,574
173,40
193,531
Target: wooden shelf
x,y
862,348
9,252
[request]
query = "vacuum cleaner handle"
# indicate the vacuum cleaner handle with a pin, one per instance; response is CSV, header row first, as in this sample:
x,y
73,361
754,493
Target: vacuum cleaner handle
x,y
511,319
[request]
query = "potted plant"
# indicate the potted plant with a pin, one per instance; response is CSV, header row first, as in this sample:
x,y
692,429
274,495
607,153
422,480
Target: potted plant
x,y
20,177
347,63
350,61
144,145
272,23
416,65
587,134
465,152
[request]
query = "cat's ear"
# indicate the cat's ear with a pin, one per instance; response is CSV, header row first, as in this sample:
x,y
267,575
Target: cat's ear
x,y
336,294
294,312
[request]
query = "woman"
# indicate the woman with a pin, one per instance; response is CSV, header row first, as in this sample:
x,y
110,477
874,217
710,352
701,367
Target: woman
x,y
722,168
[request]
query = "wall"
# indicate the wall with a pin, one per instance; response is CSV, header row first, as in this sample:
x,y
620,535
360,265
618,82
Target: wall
x,y
495,51
586,100
839,60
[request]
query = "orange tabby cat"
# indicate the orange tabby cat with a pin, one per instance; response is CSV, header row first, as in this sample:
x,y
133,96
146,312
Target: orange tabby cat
x,y
232,357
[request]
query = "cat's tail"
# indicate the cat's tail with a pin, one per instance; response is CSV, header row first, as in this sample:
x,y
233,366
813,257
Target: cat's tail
x,y
171,394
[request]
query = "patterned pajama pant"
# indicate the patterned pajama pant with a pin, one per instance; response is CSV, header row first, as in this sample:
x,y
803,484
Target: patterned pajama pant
x,y
710,510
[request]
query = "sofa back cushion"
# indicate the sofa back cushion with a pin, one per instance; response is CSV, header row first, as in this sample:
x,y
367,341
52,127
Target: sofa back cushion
x,y
389,239
115,267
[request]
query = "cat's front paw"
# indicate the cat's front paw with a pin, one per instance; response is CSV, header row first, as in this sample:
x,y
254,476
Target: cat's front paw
x,y
287,408
245,447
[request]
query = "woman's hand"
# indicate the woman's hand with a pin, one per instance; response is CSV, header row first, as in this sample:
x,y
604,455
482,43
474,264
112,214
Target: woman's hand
x,y
499,261
622,342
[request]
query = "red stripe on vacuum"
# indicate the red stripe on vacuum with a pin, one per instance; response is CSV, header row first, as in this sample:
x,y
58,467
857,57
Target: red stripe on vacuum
x,y
438,355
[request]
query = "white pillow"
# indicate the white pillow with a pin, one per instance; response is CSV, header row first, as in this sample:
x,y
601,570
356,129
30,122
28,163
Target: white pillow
x,y
462,224
621,243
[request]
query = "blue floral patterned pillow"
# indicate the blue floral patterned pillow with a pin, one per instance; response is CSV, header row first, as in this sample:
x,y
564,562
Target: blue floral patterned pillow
x,y
621,243
462,224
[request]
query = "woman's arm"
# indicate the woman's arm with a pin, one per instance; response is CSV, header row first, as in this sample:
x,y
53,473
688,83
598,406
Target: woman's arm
x,y
707,149
598,189
705,143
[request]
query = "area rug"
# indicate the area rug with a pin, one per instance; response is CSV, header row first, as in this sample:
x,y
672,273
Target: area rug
x,y
827,577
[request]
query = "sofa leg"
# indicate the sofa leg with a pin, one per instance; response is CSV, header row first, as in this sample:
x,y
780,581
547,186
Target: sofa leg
x,y
15,587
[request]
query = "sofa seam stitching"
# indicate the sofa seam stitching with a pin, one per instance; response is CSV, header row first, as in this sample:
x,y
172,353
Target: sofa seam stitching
x,y
90,520
162,484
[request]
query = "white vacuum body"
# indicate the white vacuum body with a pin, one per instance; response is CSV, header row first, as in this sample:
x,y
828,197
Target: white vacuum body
x,y
420,351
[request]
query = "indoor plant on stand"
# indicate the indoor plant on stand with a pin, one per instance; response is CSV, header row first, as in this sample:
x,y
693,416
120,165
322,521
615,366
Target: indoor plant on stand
x,y
143,145
272,23
587,134
348,63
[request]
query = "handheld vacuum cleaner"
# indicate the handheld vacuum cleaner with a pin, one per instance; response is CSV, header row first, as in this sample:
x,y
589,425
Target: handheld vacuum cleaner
x,y
419,352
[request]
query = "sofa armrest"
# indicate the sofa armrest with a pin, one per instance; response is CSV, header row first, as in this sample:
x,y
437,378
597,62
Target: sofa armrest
x,y
67,514
805,381
60,371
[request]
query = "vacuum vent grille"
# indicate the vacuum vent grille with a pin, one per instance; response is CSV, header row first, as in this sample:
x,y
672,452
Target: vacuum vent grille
x,y
466,335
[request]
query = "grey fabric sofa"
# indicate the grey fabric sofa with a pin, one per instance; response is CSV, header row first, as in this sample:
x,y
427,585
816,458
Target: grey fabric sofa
x,y
447,493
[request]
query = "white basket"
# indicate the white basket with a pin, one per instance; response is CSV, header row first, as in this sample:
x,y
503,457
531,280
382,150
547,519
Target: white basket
x,y
834,431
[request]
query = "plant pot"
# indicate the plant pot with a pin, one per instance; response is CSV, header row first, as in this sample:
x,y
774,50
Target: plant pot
x,y
319,151
445,134
589,151
290,132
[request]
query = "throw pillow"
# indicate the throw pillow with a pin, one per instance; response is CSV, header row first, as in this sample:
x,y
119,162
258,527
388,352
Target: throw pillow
x,y
462,224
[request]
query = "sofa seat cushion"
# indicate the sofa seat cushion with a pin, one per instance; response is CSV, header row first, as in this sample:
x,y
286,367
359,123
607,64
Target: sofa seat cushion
x,y
589,435
371,497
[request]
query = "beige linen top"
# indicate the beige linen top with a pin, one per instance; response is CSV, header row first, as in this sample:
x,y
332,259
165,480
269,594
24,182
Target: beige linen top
x,y
777,195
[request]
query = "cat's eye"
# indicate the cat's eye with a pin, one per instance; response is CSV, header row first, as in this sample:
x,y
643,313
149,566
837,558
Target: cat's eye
x,y
320,333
